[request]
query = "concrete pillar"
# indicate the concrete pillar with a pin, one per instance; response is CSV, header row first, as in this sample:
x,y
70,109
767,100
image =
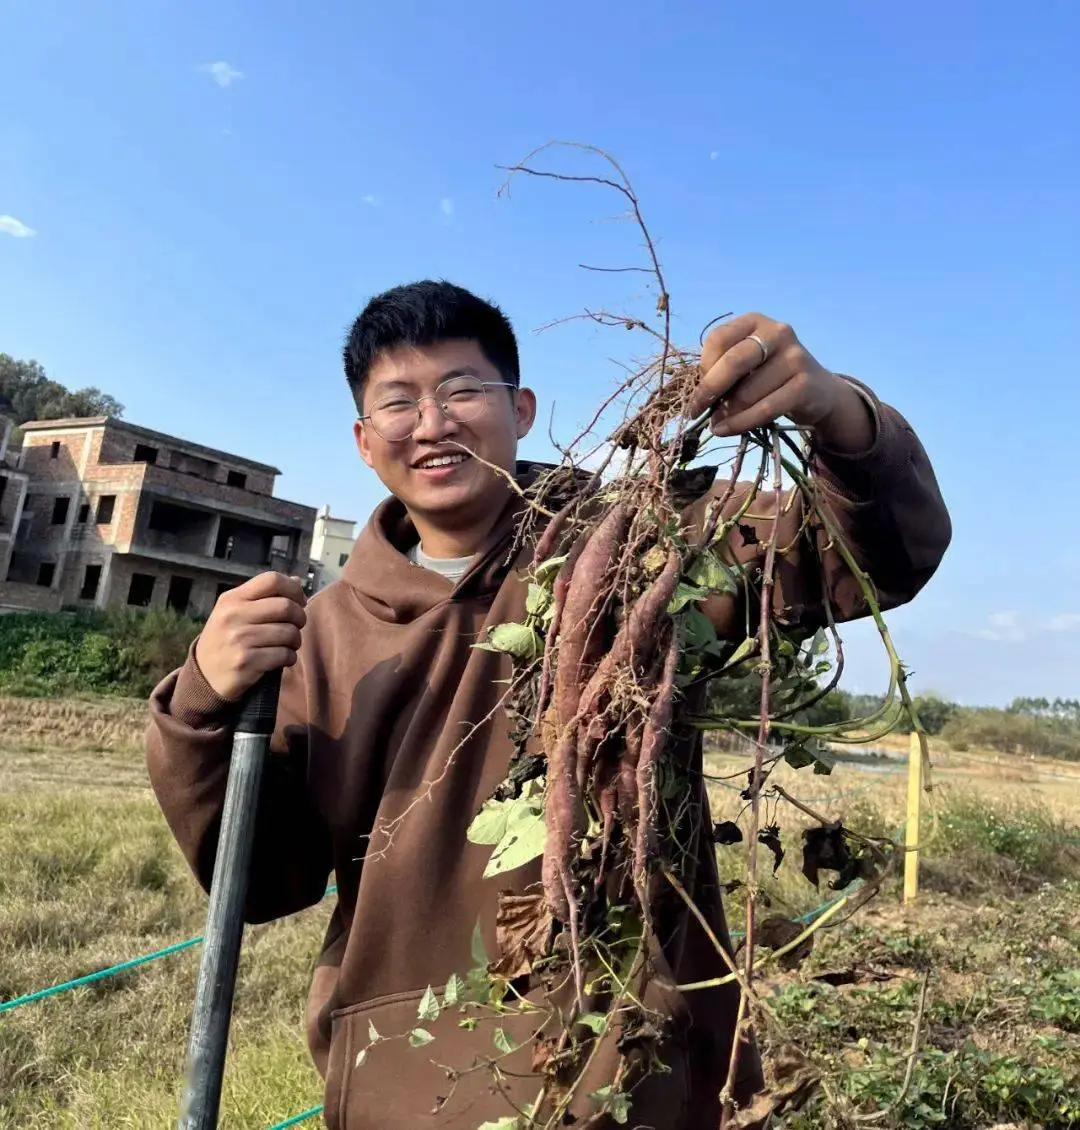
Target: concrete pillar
x,y
215,529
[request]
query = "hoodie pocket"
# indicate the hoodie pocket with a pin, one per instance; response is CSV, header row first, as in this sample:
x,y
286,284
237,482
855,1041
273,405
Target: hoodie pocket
x,y
377,1079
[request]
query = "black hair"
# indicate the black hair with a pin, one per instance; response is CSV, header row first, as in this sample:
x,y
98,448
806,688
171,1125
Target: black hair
x,y
421,313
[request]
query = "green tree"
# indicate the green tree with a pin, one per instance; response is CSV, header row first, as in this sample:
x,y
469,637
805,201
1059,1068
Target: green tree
x,y
28,393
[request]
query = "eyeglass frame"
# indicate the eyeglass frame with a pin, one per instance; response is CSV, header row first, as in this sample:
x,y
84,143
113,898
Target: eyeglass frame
x,y
418,400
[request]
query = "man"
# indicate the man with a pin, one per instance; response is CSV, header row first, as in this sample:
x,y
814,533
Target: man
x,y
390,737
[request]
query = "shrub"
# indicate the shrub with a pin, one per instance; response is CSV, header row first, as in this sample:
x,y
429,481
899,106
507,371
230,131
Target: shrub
x,y
102,652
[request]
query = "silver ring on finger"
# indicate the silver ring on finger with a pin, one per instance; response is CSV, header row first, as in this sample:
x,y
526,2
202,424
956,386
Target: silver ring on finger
x,y
761,345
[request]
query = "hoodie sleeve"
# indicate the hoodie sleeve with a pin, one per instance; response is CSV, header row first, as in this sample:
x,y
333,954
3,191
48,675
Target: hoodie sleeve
x,y
189,744
888,508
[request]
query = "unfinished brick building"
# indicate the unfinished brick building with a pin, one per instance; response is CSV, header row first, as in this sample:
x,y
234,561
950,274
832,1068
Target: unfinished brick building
x,y
116,514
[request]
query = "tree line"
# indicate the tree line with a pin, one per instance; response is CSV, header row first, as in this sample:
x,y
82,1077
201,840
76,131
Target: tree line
x,y
27,392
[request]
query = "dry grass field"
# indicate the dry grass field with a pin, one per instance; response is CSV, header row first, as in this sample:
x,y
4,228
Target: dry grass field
x,y
89,877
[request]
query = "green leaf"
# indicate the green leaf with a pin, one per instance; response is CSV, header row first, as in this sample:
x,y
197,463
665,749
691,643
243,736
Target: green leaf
x,y
537,601
373,1033
712,574
596,1022
684,594
547,569
429,1006
469,1023
361,1055
420,1038
512,1122
517,640
742,651
616,1103
698,631
452,992
479,954
526,834
619,1108
502,1041
489,824
798,756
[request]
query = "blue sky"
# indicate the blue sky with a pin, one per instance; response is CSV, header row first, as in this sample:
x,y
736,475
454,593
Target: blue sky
x,y
215,189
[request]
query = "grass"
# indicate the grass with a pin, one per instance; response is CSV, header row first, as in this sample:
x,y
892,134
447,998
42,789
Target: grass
x,y
91,877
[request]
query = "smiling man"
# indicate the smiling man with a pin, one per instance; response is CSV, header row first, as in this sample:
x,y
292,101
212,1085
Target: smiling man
x,y
389,734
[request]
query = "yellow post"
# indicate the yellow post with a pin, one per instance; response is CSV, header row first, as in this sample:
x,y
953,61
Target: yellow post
x,y
914,812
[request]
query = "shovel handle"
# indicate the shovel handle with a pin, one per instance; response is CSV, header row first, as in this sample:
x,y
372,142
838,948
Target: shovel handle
x,y
212,1013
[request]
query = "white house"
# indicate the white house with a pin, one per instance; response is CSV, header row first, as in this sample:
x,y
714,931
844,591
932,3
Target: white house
x,y
331,545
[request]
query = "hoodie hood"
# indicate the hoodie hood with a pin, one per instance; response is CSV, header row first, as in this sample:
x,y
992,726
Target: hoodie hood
x,y
395,590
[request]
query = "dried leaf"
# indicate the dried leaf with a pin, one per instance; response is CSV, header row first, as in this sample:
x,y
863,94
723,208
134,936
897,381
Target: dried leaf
x,y
776,931
853,975
523,931
770,837
794,1080
361,1055
824,848
828,849
727,832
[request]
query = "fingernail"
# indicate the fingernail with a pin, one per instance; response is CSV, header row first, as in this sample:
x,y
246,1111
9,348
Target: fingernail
x,y
721,429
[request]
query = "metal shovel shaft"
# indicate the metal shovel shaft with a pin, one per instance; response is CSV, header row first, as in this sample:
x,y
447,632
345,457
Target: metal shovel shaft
x,y
212,1013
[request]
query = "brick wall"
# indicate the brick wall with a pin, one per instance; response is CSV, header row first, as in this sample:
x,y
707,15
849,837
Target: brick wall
x,y
204,586
30,598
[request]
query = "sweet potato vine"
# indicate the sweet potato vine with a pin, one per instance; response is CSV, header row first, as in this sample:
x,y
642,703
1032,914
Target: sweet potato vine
x,y
633,561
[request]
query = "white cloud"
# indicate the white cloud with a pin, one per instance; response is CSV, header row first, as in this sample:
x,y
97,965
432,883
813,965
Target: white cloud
x,y
1064,622
224,74
446,206
1001,626
372,201
10,226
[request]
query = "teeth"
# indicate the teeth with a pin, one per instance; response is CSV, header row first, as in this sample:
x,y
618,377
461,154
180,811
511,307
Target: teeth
x,y
444,461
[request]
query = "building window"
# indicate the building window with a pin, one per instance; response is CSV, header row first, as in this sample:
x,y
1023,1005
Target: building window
x,y
179,597
60,510
84,513
144,453
54,450
106,505
91,580
46,572
141,591
236,479
342,559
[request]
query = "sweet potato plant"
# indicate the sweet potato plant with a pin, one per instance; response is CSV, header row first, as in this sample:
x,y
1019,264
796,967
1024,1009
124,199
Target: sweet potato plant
x,y
610,665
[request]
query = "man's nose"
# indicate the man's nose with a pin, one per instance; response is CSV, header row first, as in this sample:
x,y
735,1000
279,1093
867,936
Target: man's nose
x,y
434,425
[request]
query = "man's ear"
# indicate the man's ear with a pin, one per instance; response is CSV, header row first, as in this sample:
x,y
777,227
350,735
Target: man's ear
x,y
524,411
362,444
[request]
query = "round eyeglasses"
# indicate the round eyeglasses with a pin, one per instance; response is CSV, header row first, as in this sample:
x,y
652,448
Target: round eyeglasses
x,y
459,399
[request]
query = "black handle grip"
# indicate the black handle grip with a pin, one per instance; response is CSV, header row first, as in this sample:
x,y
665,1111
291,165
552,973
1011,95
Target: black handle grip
x,y
259,710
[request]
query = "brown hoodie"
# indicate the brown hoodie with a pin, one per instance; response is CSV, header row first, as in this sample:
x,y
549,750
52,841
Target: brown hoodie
x,y
390,737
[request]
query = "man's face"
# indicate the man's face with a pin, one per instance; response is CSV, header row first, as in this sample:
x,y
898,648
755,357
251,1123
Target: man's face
x,y
461,490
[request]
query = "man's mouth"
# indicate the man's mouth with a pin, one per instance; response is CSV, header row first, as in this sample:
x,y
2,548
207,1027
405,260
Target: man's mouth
x,y
430,462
